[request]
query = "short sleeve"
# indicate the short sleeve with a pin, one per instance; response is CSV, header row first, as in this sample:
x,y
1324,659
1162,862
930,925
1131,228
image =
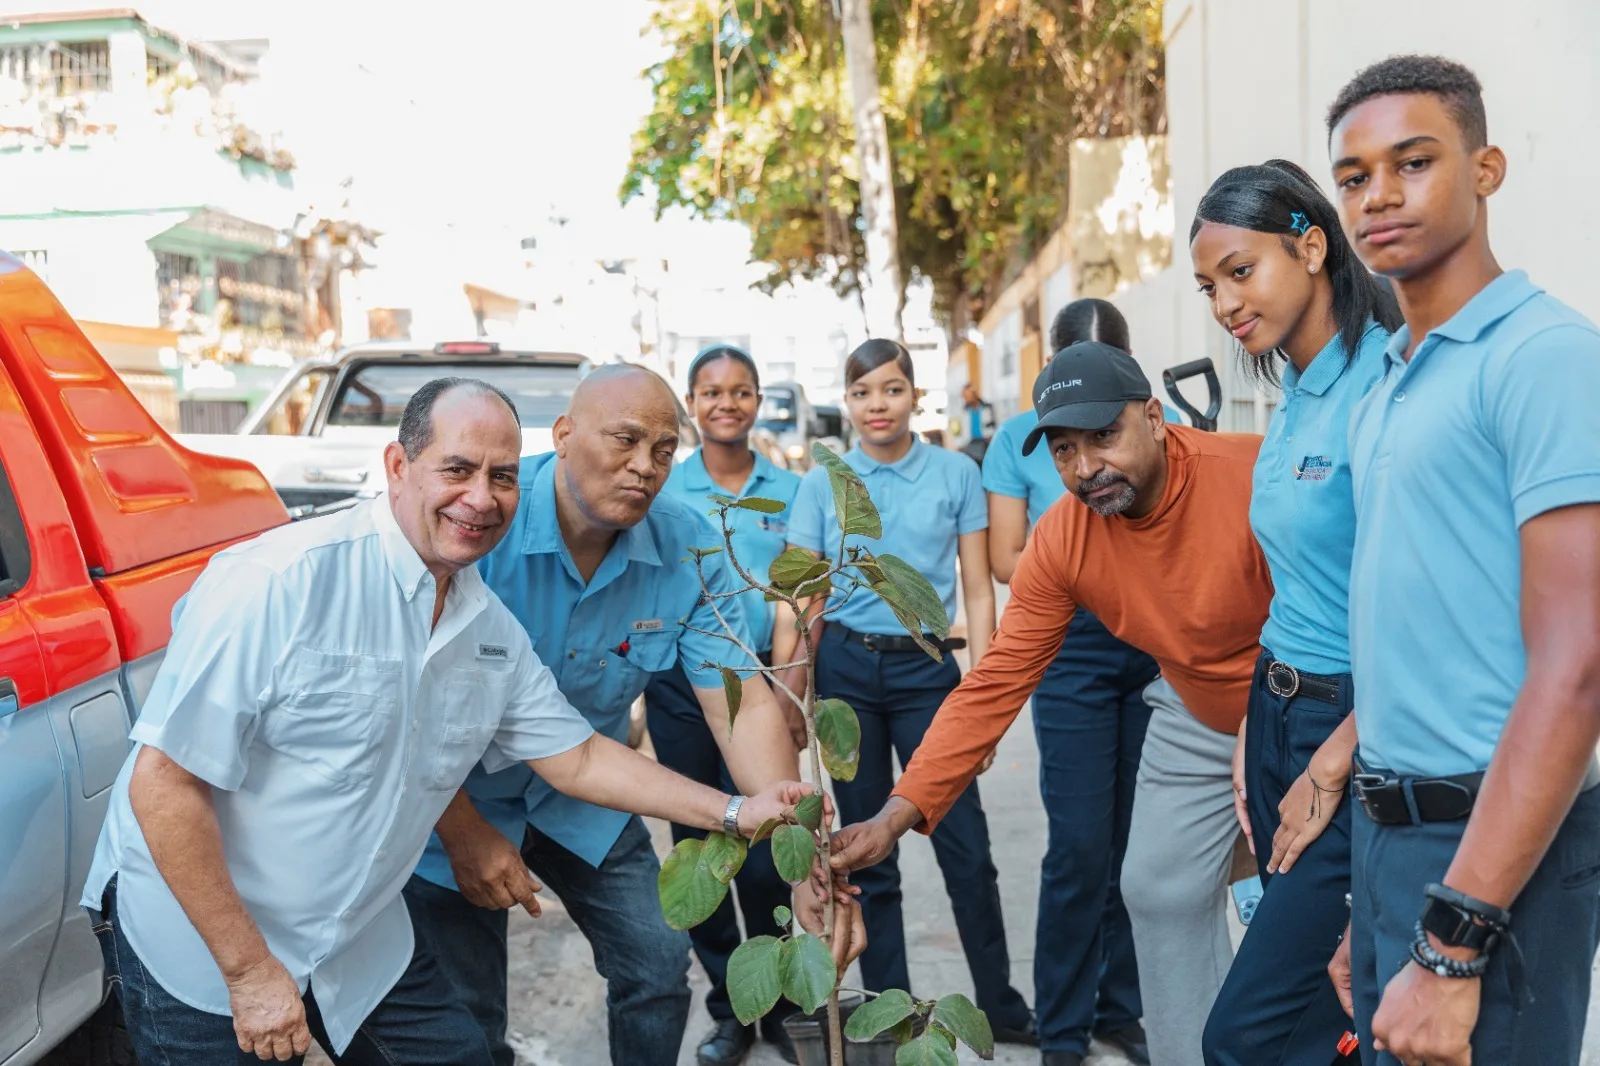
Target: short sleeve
x,y
1539,404
972,507
217,676
538,721
1002,465
697,649
808,517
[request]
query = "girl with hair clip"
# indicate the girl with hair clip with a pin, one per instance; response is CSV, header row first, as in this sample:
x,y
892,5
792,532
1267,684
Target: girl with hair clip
x,y
724,395
1271,257
933,511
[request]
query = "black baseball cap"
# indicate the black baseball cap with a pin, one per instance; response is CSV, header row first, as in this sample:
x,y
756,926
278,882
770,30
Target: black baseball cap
x,y
1085,386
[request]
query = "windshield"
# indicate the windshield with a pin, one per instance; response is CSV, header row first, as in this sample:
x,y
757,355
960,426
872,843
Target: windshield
x,y
377,394
777,410
298,403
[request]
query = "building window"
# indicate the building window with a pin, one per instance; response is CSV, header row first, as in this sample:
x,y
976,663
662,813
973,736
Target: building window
x,y
57,69
36,260
177,287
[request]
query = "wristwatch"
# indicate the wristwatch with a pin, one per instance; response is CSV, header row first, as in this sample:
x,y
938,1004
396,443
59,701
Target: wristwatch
x,y
1457,927
730,817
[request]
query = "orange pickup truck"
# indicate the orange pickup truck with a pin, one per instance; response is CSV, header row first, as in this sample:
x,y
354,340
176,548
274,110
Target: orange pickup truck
x,y
104,524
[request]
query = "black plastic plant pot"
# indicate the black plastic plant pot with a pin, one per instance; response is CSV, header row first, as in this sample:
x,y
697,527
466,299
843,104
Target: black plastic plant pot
x,y
810,1035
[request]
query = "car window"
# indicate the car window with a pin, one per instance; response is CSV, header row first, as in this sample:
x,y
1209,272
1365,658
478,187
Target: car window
x,y
377,394
296,406
14,558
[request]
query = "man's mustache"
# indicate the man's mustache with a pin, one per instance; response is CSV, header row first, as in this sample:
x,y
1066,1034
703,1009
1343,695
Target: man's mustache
x,y
1098,482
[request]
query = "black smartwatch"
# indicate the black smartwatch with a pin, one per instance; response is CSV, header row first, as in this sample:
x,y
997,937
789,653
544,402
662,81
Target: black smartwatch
x,y
1461,922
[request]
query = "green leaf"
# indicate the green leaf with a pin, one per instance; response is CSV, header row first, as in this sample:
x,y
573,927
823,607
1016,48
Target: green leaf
x,y
733,688
870,571
808,972
701,553
808,812
757,503
765,829
839,736
926,1050
820,587
944,1034
794,567
914,592
689,892
723,855
905,1030
958,1014
793,850
885,1012
782,915
755,977
912,624
722,500
851,502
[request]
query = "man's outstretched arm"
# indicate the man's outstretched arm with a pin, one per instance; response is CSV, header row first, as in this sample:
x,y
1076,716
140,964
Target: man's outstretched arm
x,y
977,714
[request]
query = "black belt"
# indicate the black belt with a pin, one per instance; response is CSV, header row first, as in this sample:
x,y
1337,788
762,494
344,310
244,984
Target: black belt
x,y
881,642
1438,799
1285,681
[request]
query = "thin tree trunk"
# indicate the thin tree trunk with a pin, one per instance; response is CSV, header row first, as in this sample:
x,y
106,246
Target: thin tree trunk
x,y
886,294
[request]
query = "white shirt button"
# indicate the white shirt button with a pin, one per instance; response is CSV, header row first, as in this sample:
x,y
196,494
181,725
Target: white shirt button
x,y
1400,397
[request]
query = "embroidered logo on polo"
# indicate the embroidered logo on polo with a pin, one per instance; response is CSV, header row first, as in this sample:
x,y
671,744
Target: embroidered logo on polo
x,y
647,625
494,651
770,524
1313,468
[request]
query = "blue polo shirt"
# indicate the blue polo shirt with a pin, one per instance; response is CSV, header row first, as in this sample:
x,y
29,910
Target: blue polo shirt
x,y
1007,472
757,538
1302,508
927,501
1490,424
640,596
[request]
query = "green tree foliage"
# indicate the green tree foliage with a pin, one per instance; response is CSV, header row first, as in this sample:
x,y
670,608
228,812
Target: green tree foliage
x,y
983,99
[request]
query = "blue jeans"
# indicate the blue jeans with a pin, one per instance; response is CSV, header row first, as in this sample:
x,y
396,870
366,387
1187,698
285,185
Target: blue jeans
x,y
644,961
683,742
895,696
419,1023
1277,1004
1089,717
1556,921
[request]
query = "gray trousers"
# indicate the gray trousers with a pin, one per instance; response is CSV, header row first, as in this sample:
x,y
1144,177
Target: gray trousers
x,y
1175,876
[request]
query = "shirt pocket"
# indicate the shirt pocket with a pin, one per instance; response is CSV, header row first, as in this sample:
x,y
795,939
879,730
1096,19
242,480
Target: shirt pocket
x,y
619,678
336,714
461,729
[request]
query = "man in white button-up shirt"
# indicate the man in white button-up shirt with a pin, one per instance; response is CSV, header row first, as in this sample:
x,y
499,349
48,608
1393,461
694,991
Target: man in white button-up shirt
x,y
327,688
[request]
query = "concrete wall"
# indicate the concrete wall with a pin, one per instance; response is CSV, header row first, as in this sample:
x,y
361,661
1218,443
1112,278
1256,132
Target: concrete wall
x,y
1251,79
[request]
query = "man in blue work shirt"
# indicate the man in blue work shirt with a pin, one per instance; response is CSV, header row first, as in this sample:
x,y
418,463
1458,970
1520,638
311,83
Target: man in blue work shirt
x,y
1089,718
1474,605
594,567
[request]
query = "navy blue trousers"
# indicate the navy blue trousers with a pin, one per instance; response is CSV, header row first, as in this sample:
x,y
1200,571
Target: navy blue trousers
x,y
1556,921
683,742
895,696
1089,717
1277,1005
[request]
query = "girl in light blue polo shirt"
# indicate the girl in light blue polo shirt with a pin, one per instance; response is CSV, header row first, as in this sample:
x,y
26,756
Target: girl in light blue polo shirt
x,y
933,510
1271,257
724,395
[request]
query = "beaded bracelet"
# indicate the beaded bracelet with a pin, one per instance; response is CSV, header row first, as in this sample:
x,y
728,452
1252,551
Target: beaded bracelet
x,y
1424,955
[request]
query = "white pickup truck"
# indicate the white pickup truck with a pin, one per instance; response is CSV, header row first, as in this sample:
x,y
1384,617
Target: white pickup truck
x,y
319,435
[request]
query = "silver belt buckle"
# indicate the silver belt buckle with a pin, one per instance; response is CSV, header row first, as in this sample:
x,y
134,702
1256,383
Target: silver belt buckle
x,y
1282,679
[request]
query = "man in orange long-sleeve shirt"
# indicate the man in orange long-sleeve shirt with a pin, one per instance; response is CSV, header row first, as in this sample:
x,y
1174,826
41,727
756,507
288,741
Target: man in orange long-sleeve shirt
x,y
1158,545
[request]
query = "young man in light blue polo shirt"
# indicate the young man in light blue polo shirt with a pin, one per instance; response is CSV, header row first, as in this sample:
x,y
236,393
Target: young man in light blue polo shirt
x,y
1474,605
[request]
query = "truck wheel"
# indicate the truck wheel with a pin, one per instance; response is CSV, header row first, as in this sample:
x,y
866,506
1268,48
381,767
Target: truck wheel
x,y
101,1041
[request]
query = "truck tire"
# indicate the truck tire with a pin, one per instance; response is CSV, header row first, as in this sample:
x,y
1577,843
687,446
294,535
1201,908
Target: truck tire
x,y
101,1041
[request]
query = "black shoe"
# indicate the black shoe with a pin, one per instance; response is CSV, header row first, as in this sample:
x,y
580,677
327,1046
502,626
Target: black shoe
x,y
1130,1041
1026,1034
773,1032
1060,1058
727,1044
